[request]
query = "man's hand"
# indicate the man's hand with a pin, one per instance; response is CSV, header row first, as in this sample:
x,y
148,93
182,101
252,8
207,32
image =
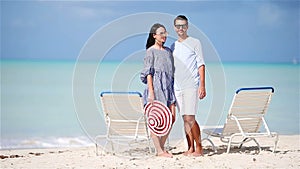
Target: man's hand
x,y
201,92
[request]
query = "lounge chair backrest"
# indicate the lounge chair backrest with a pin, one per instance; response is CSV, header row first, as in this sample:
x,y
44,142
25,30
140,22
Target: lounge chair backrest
x,y
249,107
124,113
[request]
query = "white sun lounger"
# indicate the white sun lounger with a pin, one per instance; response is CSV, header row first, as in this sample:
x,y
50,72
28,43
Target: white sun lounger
x,y
124,117
245,118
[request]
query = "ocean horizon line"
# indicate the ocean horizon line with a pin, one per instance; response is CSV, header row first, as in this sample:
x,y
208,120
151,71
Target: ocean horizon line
x,y
74,61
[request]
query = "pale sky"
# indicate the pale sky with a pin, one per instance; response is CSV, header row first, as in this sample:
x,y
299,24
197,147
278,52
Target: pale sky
x,y
247,31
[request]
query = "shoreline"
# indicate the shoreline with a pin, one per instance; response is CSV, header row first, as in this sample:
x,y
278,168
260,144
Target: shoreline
x,y
287,155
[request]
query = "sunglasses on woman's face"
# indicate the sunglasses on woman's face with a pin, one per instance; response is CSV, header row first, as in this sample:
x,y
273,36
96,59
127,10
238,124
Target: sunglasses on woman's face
x,y
162,33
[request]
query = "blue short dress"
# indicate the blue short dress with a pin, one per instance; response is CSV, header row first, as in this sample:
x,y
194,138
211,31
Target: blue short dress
x,y
159,64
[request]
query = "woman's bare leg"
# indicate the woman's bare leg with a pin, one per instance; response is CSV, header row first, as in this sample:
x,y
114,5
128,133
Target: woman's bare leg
x,y
159,150
165,137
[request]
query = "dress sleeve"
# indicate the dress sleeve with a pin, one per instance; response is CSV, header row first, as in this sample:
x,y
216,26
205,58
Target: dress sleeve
x,y
148,66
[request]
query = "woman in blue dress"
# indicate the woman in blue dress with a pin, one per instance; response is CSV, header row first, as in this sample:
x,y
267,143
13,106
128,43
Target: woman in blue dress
x,y
158,75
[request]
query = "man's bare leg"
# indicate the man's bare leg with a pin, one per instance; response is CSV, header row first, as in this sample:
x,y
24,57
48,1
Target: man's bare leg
x,y
197,137
188,123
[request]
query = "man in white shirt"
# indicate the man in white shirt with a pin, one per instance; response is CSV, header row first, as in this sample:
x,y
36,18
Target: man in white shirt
x,y
189,84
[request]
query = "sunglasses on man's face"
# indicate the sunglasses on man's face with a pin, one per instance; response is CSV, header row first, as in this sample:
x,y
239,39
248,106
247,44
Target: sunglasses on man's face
x,y
184,26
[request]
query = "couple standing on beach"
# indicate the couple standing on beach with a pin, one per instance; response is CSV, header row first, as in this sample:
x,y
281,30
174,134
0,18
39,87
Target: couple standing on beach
x,y
175,76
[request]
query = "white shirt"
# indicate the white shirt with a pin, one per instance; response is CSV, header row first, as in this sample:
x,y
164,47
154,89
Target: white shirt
x,y
188,57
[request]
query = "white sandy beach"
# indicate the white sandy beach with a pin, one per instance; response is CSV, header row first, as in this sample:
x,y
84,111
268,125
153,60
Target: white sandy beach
x,y
287,155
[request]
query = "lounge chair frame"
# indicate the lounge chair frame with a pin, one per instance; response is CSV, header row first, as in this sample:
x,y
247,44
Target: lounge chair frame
x,y
245,119
125,120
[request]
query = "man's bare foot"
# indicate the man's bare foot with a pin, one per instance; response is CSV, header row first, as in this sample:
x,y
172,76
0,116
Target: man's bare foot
x,y
165,154
198,153
188,153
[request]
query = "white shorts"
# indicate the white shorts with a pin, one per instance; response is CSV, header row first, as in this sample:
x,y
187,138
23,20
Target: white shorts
x,y
187,101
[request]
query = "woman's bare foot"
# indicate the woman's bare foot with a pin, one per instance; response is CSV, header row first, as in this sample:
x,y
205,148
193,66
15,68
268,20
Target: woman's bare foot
x,y
165,154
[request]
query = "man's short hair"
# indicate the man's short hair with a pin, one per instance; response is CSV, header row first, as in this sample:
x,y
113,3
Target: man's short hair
x,y
181,17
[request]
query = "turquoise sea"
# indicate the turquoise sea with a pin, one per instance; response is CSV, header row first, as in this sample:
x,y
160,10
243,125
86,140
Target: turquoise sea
x,y
56,103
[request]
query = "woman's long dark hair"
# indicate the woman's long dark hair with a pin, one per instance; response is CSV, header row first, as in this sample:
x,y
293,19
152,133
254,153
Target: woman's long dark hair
x,y
151,40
